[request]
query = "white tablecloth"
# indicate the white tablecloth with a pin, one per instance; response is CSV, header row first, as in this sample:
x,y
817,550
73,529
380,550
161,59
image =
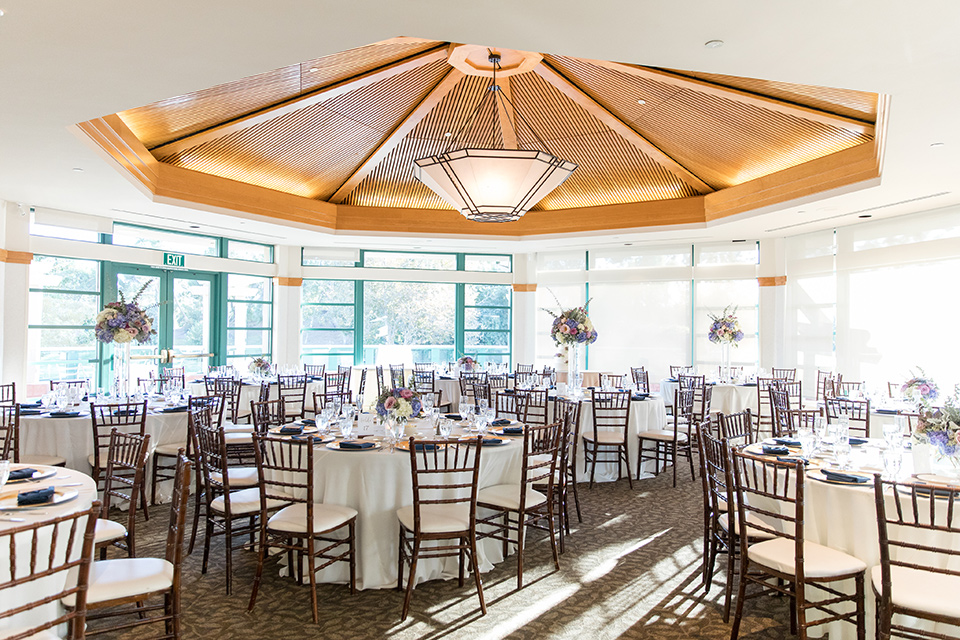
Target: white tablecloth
x,y
727,398
51,584
376,484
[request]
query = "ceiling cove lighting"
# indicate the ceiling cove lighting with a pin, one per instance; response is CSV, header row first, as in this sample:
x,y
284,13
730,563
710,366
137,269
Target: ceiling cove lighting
x,y
493,184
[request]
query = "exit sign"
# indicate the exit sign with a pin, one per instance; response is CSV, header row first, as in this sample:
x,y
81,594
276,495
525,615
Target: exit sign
x,y
173,260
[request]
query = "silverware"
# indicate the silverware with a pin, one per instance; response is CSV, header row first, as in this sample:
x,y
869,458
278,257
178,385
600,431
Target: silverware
x,y
72,484
12,520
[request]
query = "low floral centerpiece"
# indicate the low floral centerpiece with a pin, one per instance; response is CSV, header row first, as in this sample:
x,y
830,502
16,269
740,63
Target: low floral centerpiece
x,y
466,363
260,366
400,403
123,321
725,328
920,389
940,428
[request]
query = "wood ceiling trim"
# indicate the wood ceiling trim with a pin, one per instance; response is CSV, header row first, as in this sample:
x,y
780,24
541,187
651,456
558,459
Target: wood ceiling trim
x,y
409,123
507,116
300,102
110,137
722,91
622,129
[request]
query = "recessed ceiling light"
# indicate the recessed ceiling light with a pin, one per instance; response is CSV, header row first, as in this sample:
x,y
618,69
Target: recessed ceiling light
x,y
78,169
739,241
1,13
313,69
641,101
865,215
936,144
194,226
628,244
802,211
447,134
713,44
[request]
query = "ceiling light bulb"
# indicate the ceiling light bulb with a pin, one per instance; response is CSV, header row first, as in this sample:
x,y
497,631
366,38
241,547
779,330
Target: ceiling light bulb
x,y
1,13
713,44
78,169
447,134
641,101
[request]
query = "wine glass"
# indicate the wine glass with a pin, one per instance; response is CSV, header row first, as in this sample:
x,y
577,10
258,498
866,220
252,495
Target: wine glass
x,y
841,451
820,431
446,426
346,427
466,406
427,402
808,441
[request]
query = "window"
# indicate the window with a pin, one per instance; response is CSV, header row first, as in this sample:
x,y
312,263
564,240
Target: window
x,y
728,253
393,260
408,322
562,261
329,257
496,264
640,258
67,233
712,297
64,300
327,322
249,319
486,322
133,236
251,251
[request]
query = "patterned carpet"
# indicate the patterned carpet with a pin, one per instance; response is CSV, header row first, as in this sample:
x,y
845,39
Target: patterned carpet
x,y
631,570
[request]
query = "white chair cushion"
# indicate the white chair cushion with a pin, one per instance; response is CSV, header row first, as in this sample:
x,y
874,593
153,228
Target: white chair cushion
x,y
123,577
605,437
243,502
752,522
662,434
229,427
238,437
108,531
507,496
90,459
39,458
921,590
169,449
239,476
818,561
326,517
437,518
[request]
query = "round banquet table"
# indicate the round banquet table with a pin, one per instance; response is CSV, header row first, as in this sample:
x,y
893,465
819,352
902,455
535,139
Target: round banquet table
x,y
376,484
87,493
726,399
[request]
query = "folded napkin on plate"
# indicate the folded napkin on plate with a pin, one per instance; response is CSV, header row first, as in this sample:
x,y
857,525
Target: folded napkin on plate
x,y
446,378
21,474
40,496
749,384
419,446
641,396
125,412
500,422
64,414
836,476
518,431
769,450
453,416
854,441
886,411
788,442
35,403
308,438
30,412
309,421
492,441
175,409
291,430
357,444
793,459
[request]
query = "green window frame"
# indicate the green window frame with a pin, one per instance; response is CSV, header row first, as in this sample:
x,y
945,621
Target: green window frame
x,y
333,355
243,304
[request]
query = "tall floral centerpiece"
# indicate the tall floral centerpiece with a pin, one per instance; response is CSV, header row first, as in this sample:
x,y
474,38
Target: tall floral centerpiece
x,y
571,329
940,428
466,363
725,331
260,367
920,389
124,323
398,405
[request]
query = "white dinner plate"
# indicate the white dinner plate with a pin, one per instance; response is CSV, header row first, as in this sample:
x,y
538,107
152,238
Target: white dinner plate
x,y
336,447
8,502
936,479
40,474
817,474
306,429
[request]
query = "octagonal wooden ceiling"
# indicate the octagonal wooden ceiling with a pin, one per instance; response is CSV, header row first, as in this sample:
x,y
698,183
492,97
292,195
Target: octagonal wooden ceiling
x,y
344,130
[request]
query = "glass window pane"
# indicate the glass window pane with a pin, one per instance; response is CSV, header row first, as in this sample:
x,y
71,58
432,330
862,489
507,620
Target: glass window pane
x,y
329,257
394,260
732,253
249,251
130,236
480,318
562,261
401,317
473,338
58,354
248,288
63,308
497,264
67,233
327,317
243,315
48,272
317,339
487,295
247,342
641,257
341,291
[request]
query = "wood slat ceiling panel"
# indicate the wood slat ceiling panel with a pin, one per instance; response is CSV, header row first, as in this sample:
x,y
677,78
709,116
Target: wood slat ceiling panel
x,y
392,182
610,171
346,64
722,141
312,151
845,102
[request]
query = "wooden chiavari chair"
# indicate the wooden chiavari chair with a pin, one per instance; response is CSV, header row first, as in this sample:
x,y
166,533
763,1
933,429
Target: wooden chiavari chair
x,y
293,391
568,411
784,374
738,426
764,415
780,403
70,383
397,376
607,440
825,378
130,417
315,371
612,380
229,389
669,444
8,394
381,386
677,370
124,476
334,390
857,411
845,389
533,406
509,405
641,379
10,441
549,375
467,380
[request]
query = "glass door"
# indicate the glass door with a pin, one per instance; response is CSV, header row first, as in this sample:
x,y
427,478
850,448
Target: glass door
x,y
182,304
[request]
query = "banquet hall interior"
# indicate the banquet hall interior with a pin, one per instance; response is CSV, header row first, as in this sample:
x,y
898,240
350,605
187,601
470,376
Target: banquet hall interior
x,y
729,248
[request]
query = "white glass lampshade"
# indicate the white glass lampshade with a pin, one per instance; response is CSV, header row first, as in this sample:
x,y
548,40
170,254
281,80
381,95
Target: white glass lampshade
x,y
493,185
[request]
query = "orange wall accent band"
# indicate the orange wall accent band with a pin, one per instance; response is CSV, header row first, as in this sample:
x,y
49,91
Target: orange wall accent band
x,y
16,257
524,287
290,282
774,281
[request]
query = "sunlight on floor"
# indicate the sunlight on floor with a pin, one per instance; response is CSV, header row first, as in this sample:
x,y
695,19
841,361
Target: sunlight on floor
x,y
517,621
610,564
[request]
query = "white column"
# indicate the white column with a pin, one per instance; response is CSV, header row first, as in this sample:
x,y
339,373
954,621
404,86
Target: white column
x,y
773,303
14,289
524,307
286,306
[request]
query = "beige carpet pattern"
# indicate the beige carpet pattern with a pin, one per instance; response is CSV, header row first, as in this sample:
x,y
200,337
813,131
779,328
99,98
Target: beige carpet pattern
x,y
631,570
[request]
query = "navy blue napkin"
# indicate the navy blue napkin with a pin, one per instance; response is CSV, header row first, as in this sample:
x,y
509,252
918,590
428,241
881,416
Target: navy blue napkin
x,y
453,416
856,441
793,459
21,474
30,412
769,450
346,444
641,396
40,496
749,384
309,438
836,476
64,414
886,411
789,442
125,412
35,403
512,431
509,392
175,409
446,378
309,421
500,422
420,446
493,441
291,430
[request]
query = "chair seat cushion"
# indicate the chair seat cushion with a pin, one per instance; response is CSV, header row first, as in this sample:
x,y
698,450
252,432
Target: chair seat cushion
x,y
752,522
662,434
437,518
239,476
921,590
108,531
818,561
605,437
238,437
123,577
169,449
229,427
243,502
326,517
507,496
40,458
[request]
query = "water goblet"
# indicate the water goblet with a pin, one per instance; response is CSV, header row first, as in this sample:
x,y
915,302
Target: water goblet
x,y
808,441
482,405
820,431
892,459
841,452
893,434
446,426
427,402
346,428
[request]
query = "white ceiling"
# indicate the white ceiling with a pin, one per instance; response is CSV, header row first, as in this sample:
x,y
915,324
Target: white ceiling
x,y
64,61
